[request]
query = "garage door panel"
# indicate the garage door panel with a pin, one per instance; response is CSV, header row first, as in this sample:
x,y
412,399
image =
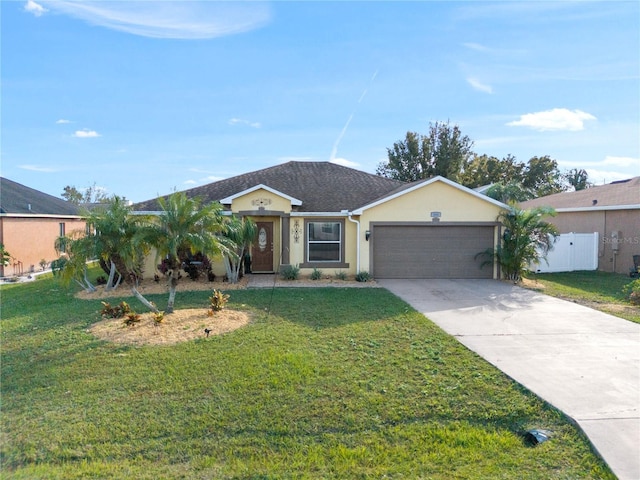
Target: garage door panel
x,y
430,251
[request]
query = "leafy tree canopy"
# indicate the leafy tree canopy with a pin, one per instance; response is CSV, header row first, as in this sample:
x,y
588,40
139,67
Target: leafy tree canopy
x,y
443,151
447,152
92,194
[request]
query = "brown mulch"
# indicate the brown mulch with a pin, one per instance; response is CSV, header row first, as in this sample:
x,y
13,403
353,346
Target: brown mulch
x,y
180,326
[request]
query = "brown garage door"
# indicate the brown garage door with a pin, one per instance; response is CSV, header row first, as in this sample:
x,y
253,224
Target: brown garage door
x,y
430,251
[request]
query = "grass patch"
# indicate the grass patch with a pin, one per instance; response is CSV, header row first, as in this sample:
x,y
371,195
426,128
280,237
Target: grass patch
x,y
599,290
325,383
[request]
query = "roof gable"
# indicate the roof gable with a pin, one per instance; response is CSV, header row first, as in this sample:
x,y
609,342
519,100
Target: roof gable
x,y
18,199
425,183
230,199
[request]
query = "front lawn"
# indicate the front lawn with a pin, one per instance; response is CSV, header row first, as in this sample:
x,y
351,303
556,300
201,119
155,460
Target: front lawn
x,y
324,383
598,290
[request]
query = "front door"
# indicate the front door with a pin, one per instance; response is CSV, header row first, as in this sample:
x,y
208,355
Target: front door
x,y
262,259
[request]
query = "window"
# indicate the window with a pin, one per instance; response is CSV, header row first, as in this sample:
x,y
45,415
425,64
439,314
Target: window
x,y
324,242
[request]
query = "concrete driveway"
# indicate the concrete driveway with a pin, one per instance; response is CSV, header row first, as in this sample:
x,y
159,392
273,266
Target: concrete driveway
x,y
584,362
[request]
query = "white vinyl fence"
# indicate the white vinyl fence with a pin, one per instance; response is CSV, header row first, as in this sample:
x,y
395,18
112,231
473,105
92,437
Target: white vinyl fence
x,y
571,251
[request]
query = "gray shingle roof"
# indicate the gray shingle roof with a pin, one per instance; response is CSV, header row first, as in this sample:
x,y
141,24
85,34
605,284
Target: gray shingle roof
x,y
321,186
624,192
18,199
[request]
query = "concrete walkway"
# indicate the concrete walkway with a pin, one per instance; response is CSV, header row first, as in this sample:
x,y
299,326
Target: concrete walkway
x,y
584,362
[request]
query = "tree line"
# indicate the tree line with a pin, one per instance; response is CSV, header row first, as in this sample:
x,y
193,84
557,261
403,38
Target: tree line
x,y
447,152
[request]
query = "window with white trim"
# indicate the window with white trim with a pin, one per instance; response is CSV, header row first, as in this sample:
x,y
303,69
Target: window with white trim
x,y
324,242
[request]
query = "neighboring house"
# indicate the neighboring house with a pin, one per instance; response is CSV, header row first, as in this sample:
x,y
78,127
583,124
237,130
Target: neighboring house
x,y
333,218
612,210
30,222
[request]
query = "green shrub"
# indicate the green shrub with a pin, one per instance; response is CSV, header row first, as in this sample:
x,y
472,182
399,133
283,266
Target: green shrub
x,y
632,292
290,272
131,318
316,274
117,311
341,275
363,276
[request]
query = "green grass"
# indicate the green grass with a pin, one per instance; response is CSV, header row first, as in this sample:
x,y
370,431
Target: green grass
x,y
324,383
599,290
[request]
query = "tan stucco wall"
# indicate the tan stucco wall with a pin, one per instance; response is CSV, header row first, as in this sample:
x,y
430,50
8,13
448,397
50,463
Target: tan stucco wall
x,y
627,222
30,240
453,204
261,198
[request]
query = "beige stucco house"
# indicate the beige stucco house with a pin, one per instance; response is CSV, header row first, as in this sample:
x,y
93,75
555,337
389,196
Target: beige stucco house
x,y
338,219
612,210
30,223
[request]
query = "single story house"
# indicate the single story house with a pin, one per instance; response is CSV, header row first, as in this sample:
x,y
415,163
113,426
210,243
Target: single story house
x,y
30,223
611,210
333,218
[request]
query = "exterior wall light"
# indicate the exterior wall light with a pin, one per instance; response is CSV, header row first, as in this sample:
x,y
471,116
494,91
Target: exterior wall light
x,y
367,234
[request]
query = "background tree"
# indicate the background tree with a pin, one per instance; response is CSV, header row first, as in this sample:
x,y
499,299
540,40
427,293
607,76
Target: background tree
x,y
527,239
541,176
92,194
484,170
443,151
577,178
186,226
242,232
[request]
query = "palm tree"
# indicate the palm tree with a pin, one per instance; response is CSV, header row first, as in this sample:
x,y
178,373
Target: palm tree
x,y
186,226
242,232
114,231
527,238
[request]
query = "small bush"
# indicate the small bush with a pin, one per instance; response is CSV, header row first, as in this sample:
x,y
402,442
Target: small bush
x,y
341,275
131,318
158,318
363,276
632,292
290,272
117,311
218,301
101,280
316,274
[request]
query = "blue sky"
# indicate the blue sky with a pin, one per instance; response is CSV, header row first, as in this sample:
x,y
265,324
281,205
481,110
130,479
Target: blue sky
x,y
144,98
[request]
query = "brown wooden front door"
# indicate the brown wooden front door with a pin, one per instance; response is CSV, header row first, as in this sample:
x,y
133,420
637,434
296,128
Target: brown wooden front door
x,y
262,258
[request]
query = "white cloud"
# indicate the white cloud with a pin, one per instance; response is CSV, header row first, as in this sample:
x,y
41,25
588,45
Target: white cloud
x,y
86,133
554,119
344,162
168,19
477,85
240,121
37,168
33,7
62,121
601,177
622,161
190,182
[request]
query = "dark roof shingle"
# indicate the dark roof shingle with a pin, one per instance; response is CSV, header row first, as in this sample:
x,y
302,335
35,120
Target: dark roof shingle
x,y
18,199
321,186
624,192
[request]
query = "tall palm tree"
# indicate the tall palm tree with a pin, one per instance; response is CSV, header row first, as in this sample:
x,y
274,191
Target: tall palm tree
x,y
186,225
527,239
242,232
